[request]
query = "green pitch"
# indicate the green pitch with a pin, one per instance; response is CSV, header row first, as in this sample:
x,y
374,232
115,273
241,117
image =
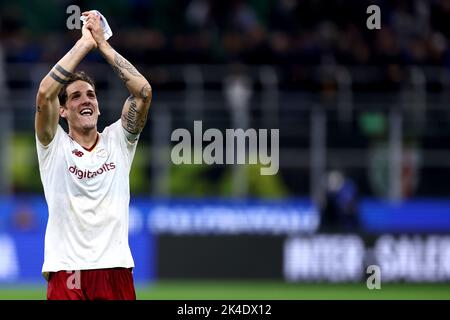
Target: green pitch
x,y
212,290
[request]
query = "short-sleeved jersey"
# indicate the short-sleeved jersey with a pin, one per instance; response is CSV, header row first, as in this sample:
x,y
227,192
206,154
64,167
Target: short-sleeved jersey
x,y
88,195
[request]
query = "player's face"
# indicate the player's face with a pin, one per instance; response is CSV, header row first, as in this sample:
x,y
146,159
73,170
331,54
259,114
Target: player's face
x,y
81,109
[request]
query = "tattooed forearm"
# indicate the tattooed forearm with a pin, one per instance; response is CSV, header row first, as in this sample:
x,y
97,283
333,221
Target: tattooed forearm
x,y
57,78
122,63
63,71
120,73
134,120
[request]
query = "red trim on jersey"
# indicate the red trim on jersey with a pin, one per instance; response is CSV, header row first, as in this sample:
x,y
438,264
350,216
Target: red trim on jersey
x,y
91,148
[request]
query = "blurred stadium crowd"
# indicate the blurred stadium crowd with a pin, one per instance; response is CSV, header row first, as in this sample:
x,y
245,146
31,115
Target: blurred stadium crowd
x,y
290,32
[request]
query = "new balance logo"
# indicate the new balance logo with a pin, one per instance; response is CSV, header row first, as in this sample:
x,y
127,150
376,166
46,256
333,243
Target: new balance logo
x,y
78,153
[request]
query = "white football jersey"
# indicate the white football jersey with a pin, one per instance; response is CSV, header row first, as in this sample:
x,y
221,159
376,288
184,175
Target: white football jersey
x,y
88,195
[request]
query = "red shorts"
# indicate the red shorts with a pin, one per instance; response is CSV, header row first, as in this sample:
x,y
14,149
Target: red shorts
x,y
97,284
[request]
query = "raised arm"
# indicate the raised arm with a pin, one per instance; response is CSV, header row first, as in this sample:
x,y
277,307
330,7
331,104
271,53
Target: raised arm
x,y
47,104
135,108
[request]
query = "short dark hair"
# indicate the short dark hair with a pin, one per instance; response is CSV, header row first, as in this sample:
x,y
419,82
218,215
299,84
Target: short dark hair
x,y
80,75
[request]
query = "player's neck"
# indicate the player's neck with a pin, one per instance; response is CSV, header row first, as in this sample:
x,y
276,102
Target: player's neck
x,y
87,139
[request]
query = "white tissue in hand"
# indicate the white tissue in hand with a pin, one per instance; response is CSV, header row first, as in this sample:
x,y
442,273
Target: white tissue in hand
x,y
107,32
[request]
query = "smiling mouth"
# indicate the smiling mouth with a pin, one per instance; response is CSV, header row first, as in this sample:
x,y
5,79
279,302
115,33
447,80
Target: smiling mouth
x,y
86,112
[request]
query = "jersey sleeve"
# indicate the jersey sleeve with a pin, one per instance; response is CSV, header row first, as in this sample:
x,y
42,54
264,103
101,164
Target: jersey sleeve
x,y
127,147
46,154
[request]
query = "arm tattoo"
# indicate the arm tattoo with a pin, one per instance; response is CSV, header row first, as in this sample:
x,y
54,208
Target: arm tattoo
x,y
120,73
134,119
122,63
56,78
38,109
63,71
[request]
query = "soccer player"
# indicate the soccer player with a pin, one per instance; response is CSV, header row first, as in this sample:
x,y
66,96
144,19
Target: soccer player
x,y
85,174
